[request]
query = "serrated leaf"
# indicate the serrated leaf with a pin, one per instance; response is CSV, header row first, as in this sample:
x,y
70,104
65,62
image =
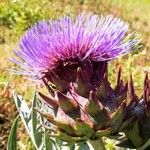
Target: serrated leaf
x,y
24,112
23,109
12,139
26,116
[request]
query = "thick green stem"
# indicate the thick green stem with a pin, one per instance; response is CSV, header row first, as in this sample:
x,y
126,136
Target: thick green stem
x,y
97,144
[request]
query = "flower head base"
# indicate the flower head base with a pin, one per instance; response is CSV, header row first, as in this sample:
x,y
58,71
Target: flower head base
x,y
88,115
51,47
104,112
78,118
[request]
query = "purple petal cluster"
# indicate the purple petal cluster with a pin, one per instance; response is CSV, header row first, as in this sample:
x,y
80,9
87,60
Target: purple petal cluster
x,y
87,37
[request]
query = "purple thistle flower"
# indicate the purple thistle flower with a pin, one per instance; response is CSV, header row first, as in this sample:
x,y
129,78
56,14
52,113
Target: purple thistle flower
x,y
51,44
72,54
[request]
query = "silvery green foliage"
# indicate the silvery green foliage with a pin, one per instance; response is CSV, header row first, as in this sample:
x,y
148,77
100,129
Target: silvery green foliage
x,y
12,139
32,122
39,135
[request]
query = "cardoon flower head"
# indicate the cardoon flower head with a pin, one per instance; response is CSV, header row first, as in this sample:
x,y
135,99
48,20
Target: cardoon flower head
x,y
60,46
72,54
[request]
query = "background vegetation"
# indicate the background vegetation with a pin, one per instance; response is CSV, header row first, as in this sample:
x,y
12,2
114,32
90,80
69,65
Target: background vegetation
x,y
16,16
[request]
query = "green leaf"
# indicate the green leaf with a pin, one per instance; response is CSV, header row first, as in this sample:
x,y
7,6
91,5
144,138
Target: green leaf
x,y
99,114
24,110
29,118
97,144
132,134
66,127
62,136
144,124
101,133
36,132
83,146
146,145
118,118
125,124
65,137
47,142
12,139
83,129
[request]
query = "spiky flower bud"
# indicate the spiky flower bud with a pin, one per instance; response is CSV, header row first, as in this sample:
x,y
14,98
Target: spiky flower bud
x,y
138,131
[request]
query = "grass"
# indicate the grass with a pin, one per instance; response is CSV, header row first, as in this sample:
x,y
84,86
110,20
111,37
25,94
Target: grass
x,y
16,16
